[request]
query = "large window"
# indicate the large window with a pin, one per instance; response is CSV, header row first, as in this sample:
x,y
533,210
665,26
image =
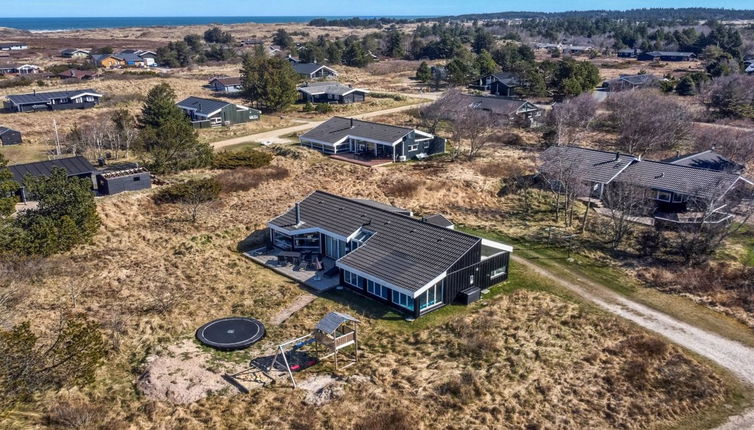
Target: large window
x,y
353,279
432,296
403,300
281,240
335,248
310,240
378,290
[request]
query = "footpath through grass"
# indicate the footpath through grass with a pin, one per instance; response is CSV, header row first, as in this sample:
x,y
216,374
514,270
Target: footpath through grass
x,y
575,268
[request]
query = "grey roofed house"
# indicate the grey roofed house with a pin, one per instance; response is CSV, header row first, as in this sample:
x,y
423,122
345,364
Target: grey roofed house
x,y
598,166
226,84
8,136
75,52
202,106
405,255
313,70
331,92
372,140
53,100
708,159
679,179
640,79
211,112
336,129
75,166
666,56
502,106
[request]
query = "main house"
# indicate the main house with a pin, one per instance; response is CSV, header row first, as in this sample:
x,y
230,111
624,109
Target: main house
x,y
226,85
313,70
674,192
13,46
372,140
205,113
499,84
55,100
666,56
407,263
331,92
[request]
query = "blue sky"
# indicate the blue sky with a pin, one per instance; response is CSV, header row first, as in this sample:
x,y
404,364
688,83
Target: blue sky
x,y
89,8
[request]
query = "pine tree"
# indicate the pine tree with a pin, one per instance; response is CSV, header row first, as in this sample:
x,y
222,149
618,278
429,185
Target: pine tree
x,y
355,56
270,82
160,107
423,73
485,64
686,86
174,147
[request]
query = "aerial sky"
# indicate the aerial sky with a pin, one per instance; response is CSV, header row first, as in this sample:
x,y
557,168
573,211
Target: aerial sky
x,y
109,8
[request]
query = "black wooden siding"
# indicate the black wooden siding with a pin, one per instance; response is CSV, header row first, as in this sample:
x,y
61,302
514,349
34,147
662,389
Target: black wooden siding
x,y
119,184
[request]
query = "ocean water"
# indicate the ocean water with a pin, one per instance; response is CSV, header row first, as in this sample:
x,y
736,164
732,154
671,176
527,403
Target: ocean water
x,y
59,24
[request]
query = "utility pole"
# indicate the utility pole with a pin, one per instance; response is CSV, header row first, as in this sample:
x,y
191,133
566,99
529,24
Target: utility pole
x,y
57,137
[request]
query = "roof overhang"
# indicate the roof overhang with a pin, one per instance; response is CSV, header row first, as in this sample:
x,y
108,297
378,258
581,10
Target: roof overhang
x,y
372,278
305,231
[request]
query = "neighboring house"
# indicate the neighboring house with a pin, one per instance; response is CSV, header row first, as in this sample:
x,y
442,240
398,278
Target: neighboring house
x,y
226,85
372,140
75,53
55,100
440,221
13,46
81,75
499,84
674,193
575,49
632,82
326,92
293,60
137,57
108,61
205,113
629,53
408,264
118,181
666,56
19,69
512,109
9,136
314,70
708,159
75,166
252,42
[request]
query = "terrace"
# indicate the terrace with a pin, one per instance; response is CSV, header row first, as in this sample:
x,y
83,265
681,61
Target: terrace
x,y
293,267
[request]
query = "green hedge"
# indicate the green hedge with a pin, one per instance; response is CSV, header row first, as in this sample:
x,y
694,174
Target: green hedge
x,y
245,158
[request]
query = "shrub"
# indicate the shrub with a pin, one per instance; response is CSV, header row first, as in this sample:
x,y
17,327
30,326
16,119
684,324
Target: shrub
x,y
246,158
393,419
323,108
403,188
16,82
190,191
76,413
309,107
244,179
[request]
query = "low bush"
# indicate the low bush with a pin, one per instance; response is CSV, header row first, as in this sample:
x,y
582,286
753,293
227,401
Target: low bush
x,y
249,158
392,419
392,66
193,190
244,179
396,97
15,82
323,108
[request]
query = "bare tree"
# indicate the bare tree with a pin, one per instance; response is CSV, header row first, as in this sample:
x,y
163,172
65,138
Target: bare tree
x,y
573,118
435,113
565,176
647,121
624,202
712,219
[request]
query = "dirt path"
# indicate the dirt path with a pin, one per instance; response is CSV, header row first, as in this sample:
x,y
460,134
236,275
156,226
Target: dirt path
x,y
277,135
732,355
297,305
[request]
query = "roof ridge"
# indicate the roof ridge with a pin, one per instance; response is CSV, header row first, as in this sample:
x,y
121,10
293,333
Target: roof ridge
x,y
415,220
48,161
690,167
373,122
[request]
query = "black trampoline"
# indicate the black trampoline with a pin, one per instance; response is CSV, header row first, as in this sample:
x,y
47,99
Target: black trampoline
x,y
231,333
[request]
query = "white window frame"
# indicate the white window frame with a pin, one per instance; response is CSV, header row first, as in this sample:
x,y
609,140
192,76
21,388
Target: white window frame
x,y
500,271
662,193
414,147
402,300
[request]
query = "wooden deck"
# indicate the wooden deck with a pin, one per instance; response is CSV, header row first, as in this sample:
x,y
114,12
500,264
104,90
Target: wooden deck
x,y
310,278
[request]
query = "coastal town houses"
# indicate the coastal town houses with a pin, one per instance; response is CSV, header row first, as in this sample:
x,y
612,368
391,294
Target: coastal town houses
x,y
499,84
679,191
408,264
371,140
54,100
76,53
666,56
205,113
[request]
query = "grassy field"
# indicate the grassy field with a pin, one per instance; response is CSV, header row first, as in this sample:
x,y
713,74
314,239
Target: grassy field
x,y
534,356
